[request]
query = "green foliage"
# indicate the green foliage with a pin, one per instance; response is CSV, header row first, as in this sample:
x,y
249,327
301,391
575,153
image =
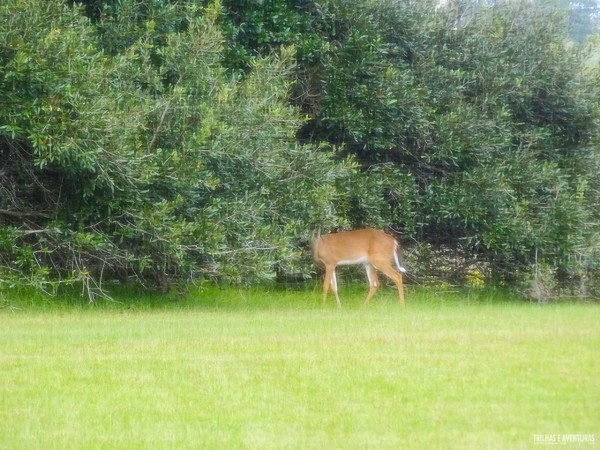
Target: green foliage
x,y
151,162
510,140
490,114
176,141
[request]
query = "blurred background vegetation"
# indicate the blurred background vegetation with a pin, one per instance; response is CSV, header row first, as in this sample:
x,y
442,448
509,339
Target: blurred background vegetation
x,y
159,142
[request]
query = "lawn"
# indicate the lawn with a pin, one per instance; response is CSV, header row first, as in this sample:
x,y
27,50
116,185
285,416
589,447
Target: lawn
x,y
275,370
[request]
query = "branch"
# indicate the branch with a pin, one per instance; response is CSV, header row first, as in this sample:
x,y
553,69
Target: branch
x,y
18,214
159,125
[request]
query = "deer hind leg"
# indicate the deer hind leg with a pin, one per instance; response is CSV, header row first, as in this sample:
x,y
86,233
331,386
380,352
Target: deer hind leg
x,y
395,276
373,282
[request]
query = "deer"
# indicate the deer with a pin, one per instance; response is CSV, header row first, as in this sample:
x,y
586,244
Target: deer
x,y
372,248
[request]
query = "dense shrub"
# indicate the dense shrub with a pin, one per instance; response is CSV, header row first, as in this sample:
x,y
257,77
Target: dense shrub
x,y
182,140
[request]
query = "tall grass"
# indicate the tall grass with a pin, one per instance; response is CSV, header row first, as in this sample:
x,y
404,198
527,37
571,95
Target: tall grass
x,y
255,369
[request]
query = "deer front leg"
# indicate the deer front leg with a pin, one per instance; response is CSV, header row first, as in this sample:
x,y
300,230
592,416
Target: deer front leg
x,y
373,282
330,281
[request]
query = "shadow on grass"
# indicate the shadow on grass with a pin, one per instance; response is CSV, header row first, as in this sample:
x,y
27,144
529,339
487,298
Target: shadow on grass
x,y
296,296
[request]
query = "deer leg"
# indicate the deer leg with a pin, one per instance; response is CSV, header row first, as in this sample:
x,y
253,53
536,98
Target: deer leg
x,y
327,282
373,282
396,277
334,288
330,281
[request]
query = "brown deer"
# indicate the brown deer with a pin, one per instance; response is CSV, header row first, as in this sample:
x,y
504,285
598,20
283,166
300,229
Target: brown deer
x,y
373,248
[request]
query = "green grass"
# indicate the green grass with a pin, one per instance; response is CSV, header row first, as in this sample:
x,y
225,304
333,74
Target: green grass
x,y
274,370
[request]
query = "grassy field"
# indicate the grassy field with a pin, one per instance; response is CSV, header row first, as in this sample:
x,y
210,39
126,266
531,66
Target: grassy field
x,y
278,370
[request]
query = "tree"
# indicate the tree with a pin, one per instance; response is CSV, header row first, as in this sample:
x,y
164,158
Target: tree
x,y
474,131
150,161
178,140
